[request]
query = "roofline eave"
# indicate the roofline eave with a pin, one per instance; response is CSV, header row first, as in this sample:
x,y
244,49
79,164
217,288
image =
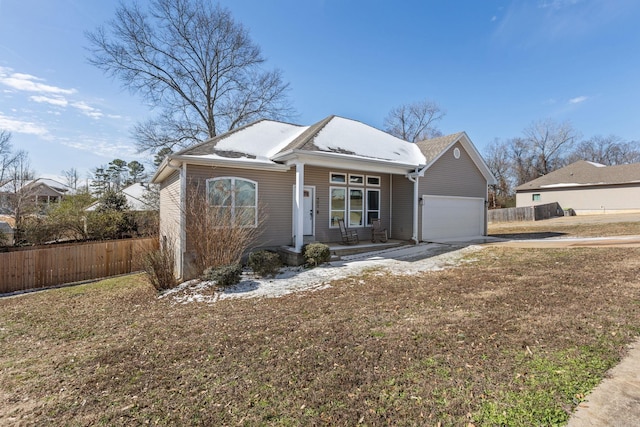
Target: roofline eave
x,y
344,161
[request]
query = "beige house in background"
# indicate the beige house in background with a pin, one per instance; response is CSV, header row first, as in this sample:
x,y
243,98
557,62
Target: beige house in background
x,y
587,188
306,178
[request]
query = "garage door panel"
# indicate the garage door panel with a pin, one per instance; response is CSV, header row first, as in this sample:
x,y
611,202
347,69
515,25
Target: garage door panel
x,y
452,217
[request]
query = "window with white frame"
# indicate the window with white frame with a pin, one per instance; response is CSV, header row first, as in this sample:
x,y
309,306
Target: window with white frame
x,y
373,205
373,181
235,200
535,198
337,204
337,178
352,201
356,207
356,179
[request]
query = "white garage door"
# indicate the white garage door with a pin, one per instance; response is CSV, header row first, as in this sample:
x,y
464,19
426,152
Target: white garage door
x,y
446,217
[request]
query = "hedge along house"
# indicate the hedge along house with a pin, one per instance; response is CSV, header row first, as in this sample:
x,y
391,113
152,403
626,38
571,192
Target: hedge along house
x,y
305,178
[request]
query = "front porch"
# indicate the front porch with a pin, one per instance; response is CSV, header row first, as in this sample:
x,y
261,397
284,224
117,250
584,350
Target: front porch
x,y
337,249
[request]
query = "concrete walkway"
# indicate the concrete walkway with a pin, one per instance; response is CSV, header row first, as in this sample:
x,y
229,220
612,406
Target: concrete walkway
x,y
616,401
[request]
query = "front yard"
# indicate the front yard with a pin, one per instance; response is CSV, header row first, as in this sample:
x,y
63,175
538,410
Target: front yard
x,y
512,336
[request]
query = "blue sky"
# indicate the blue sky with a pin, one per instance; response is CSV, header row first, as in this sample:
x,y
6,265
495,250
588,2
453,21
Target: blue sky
x,y
493,65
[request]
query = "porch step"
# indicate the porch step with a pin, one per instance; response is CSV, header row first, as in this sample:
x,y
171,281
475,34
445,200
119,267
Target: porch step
x,y
338,250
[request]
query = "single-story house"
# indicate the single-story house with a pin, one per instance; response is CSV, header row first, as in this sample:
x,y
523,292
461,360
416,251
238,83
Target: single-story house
x,y
40,191
306,178
7,229
136,198
586,188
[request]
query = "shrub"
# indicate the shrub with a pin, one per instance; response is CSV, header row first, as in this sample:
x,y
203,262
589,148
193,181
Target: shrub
x,y
264,263
224,276
316,254
158,265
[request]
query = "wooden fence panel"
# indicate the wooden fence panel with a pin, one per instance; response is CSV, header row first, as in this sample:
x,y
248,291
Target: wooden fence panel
x,y
35,268
527,213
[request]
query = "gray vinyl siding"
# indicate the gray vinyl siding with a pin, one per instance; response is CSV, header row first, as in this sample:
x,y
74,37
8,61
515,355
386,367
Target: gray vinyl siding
x,y
402,205
275,199
319,177
449,176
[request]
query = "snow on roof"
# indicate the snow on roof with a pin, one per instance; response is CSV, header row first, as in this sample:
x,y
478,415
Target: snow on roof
x,y
262,139
598,165
353,137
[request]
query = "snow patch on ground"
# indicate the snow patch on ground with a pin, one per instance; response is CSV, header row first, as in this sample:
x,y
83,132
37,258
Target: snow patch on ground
x,y
404,260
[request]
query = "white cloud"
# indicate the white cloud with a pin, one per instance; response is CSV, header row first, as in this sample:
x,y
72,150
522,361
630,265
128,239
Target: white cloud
x,y
578,99
21,126
87,110
29,83
494,18
59,101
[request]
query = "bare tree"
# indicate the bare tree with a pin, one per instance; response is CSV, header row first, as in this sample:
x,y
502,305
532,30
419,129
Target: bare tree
x,y
22,200
549,143
610,151
498,159
7,156
194,62
71,178
414,122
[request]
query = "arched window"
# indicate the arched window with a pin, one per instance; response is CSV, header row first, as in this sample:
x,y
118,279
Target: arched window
x,y
235,200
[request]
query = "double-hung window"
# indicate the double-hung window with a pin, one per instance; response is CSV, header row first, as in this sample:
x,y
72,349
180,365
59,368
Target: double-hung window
x,y
234,200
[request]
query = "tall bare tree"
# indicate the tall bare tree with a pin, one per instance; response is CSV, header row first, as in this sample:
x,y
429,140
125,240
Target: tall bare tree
x,y
7,156
414,122
192,61
549,142
71,178
610,150
498,159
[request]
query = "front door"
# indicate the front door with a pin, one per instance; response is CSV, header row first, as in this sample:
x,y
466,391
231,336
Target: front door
x,y
309,212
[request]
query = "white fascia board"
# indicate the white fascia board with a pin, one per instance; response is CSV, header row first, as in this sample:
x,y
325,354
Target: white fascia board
x,y
344,161
171,162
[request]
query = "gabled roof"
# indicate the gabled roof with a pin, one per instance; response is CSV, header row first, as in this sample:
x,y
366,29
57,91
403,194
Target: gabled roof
x,y
583,173
54,185
135,195
332,142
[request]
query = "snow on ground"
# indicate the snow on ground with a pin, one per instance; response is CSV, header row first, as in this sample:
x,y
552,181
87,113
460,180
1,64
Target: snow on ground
x,y
404,260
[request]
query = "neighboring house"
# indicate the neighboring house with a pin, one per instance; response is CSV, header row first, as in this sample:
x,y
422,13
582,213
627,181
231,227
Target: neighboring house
x,y
7,229
41,192
136,198
586,187
307,177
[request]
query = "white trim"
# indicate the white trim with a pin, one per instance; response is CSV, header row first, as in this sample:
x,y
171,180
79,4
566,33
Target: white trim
x,y
298,205
363,211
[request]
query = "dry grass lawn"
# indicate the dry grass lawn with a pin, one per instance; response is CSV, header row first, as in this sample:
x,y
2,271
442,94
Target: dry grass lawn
x,y
513,337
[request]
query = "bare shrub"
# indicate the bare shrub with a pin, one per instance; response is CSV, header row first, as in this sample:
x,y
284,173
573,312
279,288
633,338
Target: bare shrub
x,y
159,267
217,236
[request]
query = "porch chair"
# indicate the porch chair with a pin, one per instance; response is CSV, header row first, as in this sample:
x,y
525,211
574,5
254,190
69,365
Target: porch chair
x,y
377,232
349,237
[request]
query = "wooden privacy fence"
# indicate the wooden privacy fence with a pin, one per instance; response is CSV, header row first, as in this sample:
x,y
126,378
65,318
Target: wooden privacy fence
x,y
528,213
61,264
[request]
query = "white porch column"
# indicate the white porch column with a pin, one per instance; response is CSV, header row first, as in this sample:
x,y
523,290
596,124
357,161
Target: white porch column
x,y
298,208
416,204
